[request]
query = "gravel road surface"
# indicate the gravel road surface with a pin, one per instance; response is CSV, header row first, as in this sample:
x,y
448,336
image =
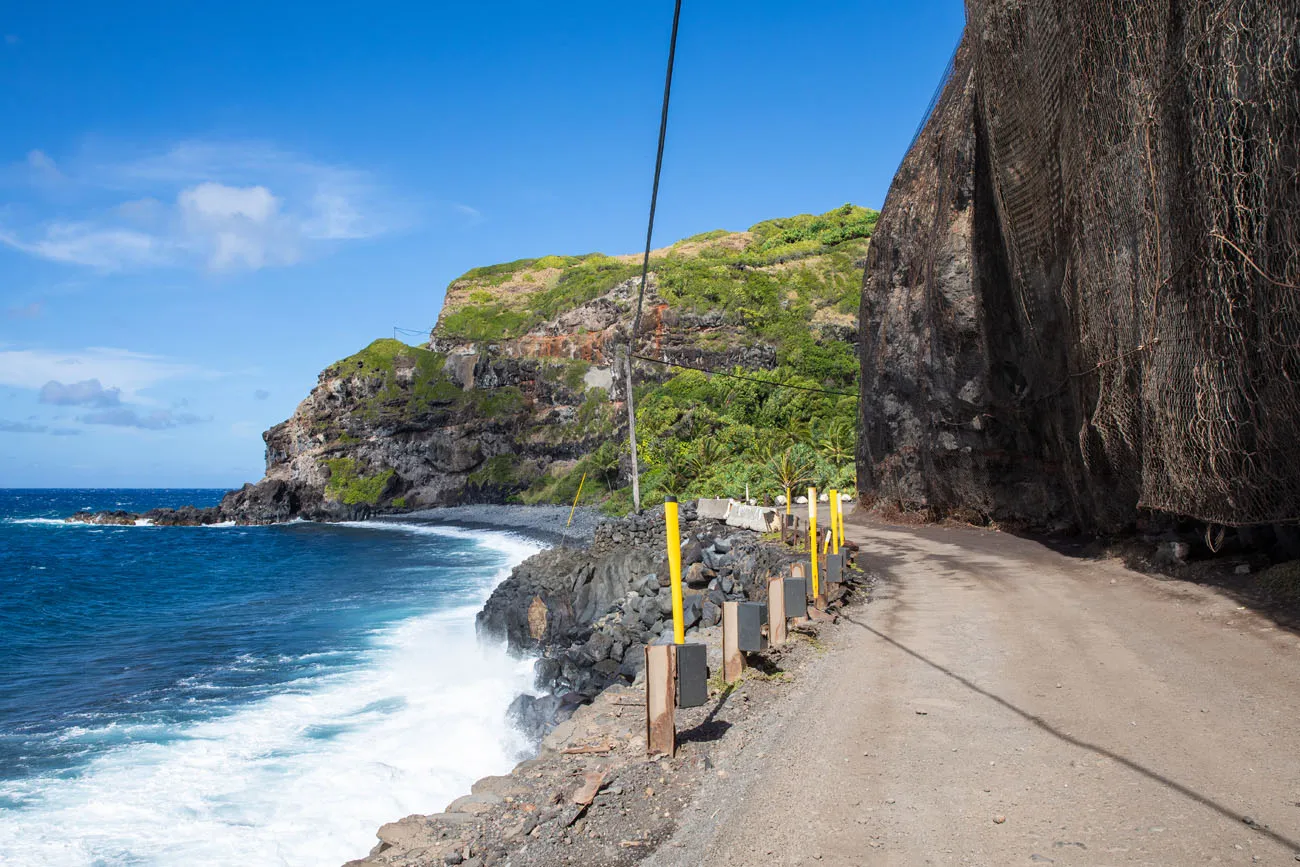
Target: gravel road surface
x,y
999,704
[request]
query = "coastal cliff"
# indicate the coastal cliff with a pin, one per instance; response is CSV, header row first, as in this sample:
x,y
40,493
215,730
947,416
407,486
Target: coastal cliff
x,y
518,393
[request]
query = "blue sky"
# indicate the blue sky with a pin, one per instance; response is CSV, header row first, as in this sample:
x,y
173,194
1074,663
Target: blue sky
x,y
203,205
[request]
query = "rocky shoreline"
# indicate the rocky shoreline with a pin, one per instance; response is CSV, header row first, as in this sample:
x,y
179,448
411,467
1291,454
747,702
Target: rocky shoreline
x,y
590,795
587,612
585,608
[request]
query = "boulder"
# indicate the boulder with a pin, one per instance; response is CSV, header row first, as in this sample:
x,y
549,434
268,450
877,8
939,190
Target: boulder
x,y
691,552
598,646
694,576
715,561
692,609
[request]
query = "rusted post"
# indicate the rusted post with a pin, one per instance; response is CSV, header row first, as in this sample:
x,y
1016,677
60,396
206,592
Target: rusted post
x,y
776,611
660,700
733,660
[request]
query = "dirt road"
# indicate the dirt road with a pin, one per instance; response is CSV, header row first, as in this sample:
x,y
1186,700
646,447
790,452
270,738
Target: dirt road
x,y
1002,704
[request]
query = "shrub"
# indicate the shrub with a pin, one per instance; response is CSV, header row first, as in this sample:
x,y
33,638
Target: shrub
x,y
349,486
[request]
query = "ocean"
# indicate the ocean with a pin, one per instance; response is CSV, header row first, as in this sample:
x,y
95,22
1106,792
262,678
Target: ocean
x,y
239,695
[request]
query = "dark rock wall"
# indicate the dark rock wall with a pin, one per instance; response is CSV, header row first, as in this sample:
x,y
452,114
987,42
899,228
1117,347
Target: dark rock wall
x,y
1067,317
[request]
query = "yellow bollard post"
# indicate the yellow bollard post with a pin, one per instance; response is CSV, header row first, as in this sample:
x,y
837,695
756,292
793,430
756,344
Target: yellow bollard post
x,y
675,568
839,514
839,511
835,536
812,538
839,522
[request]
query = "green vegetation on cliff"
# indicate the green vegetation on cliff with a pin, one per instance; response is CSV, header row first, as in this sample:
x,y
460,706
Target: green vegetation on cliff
x,y
349,486
770,279
406,381
717,436
531,427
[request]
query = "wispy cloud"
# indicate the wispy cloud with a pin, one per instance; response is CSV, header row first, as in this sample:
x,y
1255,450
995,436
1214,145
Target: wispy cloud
x,y
42,166
261,394
218,206
29,427
125,416
89,244
472,215
126,372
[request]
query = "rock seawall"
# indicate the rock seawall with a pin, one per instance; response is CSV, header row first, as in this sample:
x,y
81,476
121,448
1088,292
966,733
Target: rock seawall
x,y
588,612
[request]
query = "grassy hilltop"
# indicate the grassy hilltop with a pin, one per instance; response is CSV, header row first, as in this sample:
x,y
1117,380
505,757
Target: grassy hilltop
x,y
785,282
777,302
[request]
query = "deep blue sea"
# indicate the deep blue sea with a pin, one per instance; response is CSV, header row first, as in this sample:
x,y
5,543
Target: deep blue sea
x,y
238,695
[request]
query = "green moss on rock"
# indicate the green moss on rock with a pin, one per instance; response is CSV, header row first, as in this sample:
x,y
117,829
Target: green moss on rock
x,y
348,485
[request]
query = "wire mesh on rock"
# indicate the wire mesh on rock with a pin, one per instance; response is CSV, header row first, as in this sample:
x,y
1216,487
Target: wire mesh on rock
x,y
1116,187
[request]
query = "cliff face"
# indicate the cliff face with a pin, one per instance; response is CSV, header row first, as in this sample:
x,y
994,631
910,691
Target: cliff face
x,y
520,380
396,427
1081,298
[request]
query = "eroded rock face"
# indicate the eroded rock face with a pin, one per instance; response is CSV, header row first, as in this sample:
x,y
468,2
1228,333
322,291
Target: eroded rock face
x,y
1067,317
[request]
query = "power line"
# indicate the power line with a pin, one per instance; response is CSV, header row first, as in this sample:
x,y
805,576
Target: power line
x,y
768,382
645,262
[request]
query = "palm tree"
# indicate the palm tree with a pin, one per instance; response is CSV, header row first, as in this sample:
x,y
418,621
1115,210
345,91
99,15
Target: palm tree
x,y
791,471
676,474
837,443
708,454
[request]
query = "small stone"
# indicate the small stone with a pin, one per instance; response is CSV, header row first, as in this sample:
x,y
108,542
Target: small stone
x,y
999,819
1243,569
453,858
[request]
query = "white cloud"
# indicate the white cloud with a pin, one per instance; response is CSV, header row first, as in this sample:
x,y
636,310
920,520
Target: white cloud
x,y
42,165
237,206
220,202
106,248
125,371
238,226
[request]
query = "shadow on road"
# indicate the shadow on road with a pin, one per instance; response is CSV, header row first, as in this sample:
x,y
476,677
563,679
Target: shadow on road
x,y
709,728
1070,739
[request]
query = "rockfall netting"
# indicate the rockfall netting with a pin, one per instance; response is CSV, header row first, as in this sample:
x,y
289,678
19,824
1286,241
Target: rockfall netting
x,y
1121,182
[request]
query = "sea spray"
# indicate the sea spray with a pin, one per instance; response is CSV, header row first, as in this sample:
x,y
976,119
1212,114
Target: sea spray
x,y
324,746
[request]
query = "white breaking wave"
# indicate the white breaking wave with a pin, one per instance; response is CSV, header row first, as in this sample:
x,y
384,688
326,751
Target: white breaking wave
x,y
295,779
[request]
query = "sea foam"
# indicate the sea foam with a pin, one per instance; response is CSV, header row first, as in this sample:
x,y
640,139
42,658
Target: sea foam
x,y
302,777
